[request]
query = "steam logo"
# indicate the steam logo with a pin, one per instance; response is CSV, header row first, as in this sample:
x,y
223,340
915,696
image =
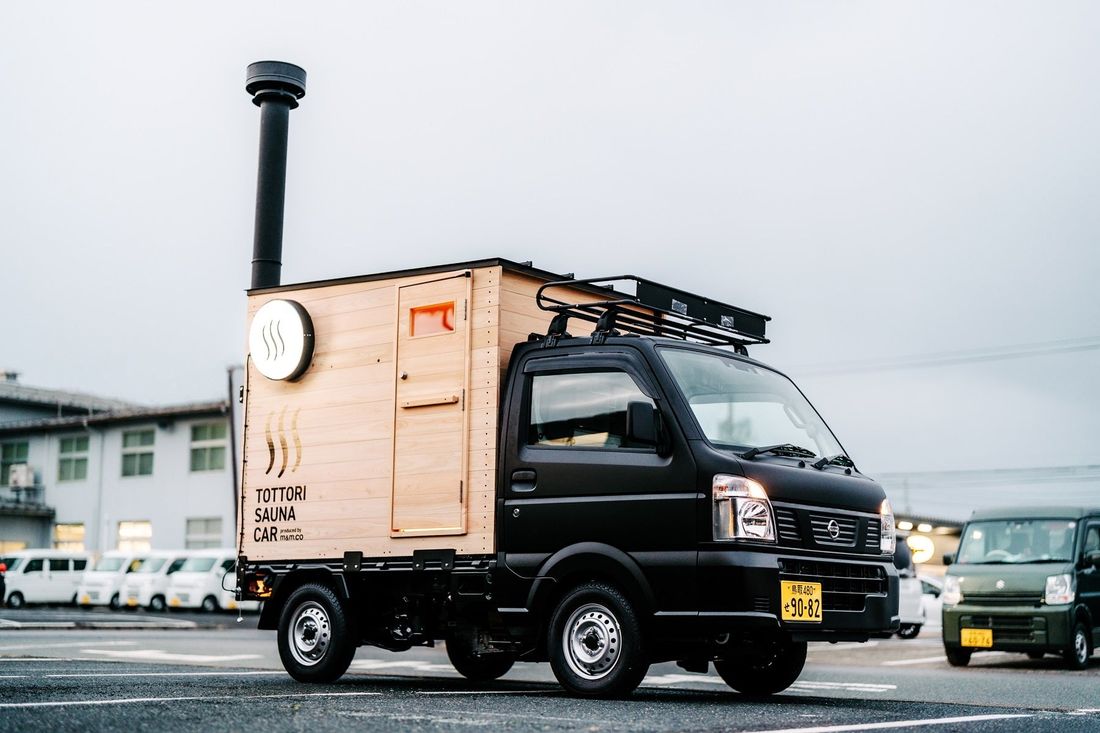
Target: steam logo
x,y
280,340
287,437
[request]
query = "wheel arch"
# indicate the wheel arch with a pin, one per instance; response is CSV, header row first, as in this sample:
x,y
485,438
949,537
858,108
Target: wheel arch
x,y
272,607
589,561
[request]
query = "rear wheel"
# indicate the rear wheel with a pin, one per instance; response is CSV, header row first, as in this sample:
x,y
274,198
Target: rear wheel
x,y
15,600
474,666
596,642
909,631
114,602
765,669
957,657
316,642
1078,652
210,604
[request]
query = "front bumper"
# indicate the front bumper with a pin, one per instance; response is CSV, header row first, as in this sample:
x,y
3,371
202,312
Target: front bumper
x,y
1015,628
741,589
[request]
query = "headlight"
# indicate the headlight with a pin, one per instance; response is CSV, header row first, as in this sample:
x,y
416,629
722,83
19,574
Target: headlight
x,y
887,536
1060,589
952,592
742,510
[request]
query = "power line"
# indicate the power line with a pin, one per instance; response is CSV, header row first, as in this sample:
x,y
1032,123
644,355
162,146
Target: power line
x,y
950,358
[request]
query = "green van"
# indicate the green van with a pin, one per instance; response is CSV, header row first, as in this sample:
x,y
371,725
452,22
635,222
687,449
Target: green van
x,y
1025,579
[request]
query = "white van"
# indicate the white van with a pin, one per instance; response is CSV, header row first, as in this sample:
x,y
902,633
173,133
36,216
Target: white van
x,y
102,583
910,592
198,584
147,586
44,576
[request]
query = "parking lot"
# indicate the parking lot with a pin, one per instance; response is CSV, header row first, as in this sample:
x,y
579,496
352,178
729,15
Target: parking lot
x,y
92,670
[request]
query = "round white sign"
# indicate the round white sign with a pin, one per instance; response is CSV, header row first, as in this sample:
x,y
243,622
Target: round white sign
x,y
280,340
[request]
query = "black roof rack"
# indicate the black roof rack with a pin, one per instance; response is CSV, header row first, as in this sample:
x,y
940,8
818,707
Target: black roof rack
x,y
664,311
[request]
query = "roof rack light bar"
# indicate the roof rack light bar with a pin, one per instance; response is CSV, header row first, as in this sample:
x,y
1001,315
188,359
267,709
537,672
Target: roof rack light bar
x,y
658,310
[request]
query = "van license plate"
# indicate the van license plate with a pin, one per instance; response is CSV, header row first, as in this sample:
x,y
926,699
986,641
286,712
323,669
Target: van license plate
x,y
801,601
977,637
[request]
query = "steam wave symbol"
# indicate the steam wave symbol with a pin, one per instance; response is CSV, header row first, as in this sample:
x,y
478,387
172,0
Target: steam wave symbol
x,y
284,445
272,333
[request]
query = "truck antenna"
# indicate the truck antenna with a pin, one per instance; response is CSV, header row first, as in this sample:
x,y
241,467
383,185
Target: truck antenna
x,y
276,87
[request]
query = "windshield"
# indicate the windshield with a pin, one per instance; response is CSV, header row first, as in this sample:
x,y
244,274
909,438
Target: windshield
x,y
152,565
108,564
1018,541
740,405
197,565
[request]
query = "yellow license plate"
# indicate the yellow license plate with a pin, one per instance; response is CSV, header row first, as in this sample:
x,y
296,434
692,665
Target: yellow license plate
x,y
131,601
85,599
174,602
977,637
801,601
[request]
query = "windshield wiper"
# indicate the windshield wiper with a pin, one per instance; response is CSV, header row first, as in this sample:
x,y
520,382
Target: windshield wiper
x,y
780,449
838,460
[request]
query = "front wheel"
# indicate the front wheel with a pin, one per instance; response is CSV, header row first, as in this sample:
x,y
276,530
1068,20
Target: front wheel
x,y
765,670
1077,655
477,667
909,631
114,602
157,603
15,600
957,657
316,642
210,604
596,642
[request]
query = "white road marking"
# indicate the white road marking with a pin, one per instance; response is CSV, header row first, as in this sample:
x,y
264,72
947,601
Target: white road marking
x,y
138,700
486,692
928,660
156,655
805,685
894,724
374,664
64,644
257,673
827,647
1085,711
12,676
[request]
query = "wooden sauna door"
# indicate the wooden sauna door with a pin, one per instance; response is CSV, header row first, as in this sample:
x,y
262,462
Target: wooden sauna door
x,y
432,359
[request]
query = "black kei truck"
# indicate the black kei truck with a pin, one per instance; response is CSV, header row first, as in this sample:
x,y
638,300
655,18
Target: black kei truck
x,y
530,467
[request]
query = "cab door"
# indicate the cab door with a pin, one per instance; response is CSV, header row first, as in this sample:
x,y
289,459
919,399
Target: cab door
x,y
431,420
1088,577
573,477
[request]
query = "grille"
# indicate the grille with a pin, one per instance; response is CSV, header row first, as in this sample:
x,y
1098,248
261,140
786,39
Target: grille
x,y
844,586
761,604
786,522
845,527
872,542
1006,628
1003,599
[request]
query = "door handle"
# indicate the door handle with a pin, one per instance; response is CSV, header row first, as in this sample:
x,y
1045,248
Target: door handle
x,y
523,480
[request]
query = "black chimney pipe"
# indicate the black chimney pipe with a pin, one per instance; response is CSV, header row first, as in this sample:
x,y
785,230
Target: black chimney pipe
x,y
275,87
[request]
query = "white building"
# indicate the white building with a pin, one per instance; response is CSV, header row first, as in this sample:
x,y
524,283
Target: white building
x,y
80,472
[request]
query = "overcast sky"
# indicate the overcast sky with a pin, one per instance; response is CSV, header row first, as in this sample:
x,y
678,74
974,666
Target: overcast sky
x,y
886,180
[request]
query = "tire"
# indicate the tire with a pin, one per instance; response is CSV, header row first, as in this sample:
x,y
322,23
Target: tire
x,y
16,600
477,667
1078,652
1035,655
771,668
210,604
157,603
957,657
316,640
596,643
114,604
909,631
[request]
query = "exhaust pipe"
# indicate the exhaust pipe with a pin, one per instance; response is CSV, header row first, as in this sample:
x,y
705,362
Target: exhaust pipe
x,y
275,87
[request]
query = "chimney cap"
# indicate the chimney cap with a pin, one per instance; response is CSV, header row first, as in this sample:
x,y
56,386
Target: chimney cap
x,y
275,76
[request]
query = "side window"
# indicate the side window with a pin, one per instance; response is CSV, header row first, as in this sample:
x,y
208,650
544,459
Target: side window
x,y
582,409
176,565
228,565
1092,538
59,564
80,564
33,566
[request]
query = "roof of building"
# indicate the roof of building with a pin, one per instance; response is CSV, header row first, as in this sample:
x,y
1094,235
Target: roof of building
x,y
14,392
130,414
1036,512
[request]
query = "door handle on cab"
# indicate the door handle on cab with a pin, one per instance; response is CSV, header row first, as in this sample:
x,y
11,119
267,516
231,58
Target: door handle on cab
x,y
523,480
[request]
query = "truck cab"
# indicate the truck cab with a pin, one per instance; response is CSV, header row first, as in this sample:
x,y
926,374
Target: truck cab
x,y
623,486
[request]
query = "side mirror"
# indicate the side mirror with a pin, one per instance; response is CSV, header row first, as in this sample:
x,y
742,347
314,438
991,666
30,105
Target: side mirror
x,y
1093,558
644,426
948,558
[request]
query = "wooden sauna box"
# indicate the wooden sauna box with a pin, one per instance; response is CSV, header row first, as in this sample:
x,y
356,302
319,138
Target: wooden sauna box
x,y
386,443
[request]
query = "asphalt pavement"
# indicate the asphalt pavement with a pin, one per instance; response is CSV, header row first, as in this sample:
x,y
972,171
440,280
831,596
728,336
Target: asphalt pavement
x,y
220,675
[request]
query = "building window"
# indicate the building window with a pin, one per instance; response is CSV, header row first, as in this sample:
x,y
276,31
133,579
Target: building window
x,y
72,463
135,536
11,454
68,537
203,533
137,452
208,446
